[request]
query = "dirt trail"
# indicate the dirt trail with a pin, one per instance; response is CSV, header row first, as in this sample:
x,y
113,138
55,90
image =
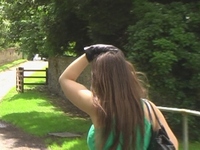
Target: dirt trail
x,y
12,138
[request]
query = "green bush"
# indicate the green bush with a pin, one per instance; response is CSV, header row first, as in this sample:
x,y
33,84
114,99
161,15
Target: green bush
x,y
165,45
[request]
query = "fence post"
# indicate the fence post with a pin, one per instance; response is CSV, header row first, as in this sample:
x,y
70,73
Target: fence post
x,y
47,78
22,77
185,131
19,79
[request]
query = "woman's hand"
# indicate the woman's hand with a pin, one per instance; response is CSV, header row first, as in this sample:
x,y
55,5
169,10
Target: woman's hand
x,y
93,51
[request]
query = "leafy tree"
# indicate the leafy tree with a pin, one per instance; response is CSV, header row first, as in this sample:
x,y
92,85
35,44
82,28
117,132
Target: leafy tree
x,y
107,20
63,27
165,45
24,18
50,27
86,22
4,28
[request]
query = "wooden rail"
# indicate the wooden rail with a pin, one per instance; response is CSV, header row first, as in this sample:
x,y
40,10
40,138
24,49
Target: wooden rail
x,y
20,76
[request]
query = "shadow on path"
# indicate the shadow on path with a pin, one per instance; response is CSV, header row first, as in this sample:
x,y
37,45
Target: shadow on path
x,y
15,139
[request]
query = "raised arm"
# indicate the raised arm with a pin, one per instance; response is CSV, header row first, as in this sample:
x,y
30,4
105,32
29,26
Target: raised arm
x,y
77,93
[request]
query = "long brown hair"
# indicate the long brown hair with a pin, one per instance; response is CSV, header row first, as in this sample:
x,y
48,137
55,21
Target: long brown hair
x,y
117,95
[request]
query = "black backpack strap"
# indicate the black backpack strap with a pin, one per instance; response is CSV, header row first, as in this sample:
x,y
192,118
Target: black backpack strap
x,y
157,119
149,107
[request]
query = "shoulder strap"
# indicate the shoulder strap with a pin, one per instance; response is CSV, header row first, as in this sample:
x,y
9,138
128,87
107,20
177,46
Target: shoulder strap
x,y
149,107
157,119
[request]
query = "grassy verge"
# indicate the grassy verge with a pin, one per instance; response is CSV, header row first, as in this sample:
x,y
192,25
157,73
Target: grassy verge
x,y
11,64
33,112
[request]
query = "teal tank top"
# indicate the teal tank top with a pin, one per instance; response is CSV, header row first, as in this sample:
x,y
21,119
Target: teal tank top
x,y
147,135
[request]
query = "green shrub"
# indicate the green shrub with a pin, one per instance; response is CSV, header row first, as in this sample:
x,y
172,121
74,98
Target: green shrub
x,y
165,45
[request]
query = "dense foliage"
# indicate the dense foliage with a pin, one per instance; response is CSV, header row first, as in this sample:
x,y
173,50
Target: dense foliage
x,y
52,27
4,29
161,37
165,45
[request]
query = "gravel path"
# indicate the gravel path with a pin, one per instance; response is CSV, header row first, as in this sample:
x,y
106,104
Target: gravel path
x,y
12,138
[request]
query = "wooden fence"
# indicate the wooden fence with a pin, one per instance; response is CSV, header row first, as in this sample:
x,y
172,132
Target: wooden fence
x,y
20,76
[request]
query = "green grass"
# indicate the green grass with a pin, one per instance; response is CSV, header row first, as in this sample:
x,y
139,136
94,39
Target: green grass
x,y
192,146
36,80
33,112
68,144
11,64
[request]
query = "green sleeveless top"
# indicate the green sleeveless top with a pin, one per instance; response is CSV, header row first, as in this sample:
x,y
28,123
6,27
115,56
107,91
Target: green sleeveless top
x,y
147,136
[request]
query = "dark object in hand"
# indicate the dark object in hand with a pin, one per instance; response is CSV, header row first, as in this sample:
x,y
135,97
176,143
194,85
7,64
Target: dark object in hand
x,y
94,50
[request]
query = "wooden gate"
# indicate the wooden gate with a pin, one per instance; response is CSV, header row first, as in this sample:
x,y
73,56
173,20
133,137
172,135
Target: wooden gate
x,y
20,75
